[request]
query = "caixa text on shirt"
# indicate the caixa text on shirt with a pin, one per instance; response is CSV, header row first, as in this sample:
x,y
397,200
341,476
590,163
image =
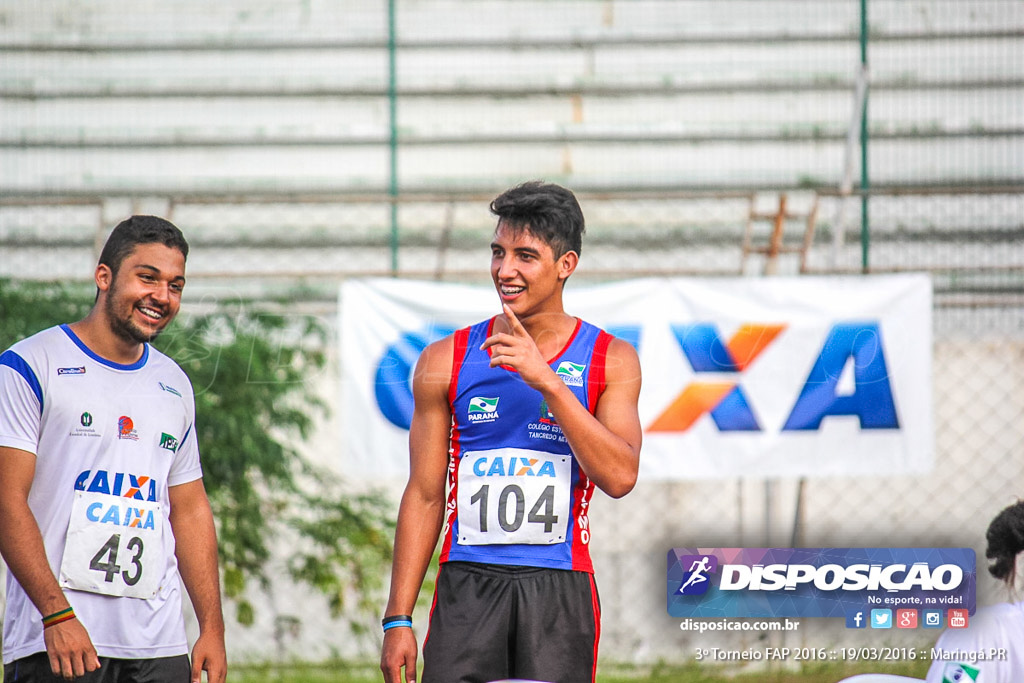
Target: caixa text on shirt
x,y
123,484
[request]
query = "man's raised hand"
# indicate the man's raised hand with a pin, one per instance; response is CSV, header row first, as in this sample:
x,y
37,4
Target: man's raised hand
x,y
516,349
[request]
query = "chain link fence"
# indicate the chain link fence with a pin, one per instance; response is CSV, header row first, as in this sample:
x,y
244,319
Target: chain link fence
x,y
703,138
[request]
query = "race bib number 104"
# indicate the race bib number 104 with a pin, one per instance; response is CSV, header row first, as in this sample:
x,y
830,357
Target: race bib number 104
x,y
513,495
114,546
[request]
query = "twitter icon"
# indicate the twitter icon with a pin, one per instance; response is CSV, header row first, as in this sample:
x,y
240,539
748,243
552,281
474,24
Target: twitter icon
x,y
881,618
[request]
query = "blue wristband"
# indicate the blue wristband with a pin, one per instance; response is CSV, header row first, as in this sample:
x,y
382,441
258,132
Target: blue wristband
x,y
396,624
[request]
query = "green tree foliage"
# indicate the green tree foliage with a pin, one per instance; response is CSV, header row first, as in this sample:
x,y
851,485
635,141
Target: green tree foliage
x,y
254,404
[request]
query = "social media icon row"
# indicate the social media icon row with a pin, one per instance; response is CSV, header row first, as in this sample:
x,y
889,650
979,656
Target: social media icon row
x,y
906,618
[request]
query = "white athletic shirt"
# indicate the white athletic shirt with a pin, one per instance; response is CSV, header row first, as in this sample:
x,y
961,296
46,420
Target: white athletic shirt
x,y
989,650
109,440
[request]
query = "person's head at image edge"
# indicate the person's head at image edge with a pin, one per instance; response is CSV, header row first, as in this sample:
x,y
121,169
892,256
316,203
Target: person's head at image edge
x,y
1005,537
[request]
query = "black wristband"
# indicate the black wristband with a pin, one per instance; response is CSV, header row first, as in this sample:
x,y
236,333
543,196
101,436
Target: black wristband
x,y
397,617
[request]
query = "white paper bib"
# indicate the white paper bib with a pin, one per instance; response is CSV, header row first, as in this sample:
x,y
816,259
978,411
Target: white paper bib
x,y
114,546
513,495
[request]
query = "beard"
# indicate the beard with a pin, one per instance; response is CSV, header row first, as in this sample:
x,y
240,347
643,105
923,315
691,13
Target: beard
x,y
126,328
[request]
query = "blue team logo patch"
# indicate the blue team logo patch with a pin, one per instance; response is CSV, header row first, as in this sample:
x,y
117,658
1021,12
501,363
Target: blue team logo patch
x,y
483,409
571,373
71,371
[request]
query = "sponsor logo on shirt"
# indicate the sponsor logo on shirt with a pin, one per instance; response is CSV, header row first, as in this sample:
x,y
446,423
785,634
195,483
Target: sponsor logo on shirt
x,y
169,389
546,427
86,429
545,415
71,371
118,515
483,409
512,466
123,484
126,429
571,373
168,442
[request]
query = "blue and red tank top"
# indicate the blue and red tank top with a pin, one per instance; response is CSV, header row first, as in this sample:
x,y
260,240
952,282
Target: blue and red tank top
x,y
516,494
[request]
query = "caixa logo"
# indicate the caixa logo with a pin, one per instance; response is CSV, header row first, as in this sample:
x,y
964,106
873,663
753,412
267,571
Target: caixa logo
x,y
393,379
855,343
728,406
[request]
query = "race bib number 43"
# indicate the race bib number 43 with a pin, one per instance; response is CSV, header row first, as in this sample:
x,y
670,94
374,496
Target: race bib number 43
x,y
513,495
114,546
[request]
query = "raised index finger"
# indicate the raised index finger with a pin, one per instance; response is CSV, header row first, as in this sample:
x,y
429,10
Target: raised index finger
x,y
513,322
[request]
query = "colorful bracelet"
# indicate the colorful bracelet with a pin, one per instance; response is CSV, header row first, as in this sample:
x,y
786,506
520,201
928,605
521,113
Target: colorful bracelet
x,y
58,617
396,621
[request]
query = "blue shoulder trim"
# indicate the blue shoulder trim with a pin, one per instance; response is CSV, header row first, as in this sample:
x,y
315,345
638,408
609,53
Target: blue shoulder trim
x,y
137,365
188,433
18,364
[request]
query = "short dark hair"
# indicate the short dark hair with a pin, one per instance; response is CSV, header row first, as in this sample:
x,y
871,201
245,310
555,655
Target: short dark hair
x,y
548,211
137,230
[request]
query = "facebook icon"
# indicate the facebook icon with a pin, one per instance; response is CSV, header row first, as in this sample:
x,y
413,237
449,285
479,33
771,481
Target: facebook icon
x,y
856,619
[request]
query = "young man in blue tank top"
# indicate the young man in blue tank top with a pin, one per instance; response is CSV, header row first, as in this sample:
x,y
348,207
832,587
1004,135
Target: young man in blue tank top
x,y
516,420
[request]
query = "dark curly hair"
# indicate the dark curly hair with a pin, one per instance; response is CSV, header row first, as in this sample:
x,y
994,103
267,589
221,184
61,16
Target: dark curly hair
x,y
548,211
1005,538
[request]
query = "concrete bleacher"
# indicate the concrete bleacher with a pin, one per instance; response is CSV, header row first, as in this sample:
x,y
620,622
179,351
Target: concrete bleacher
x,y
130,104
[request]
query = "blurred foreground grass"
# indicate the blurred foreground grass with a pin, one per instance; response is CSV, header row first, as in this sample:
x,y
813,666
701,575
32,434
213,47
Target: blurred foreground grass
x,y
343,672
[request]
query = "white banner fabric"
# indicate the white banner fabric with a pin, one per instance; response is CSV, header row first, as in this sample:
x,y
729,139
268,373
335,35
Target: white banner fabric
x,y
752,377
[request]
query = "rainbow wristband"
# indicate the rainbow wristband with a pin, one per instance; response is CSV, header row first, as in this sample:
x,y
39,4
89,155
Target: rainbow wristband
x,y
58,617
396,621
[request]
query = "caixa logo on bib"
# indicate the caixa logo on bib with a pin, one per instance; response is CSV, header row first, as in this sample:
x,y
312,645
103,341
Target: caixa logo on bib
x,y
816,582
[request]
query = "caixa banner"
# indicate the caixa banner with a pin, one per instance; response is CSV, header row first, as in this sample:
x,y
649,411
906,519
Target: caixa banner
x,y
741,376
820,582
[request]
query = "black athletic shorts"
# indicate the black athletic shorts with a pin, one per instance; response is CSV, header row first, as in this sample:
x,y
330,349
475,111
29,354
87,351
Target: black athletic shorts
x,y
490,622
36,669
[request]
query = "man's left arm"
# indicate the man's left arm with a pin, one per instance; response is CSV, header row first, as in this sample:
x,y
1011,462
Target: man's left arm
x,y
195,540
607,443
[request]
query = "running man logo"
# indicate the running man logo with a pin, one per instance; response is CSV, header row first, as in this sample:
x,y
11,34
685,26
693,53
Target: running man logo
x,y
695,580
571,373
871,401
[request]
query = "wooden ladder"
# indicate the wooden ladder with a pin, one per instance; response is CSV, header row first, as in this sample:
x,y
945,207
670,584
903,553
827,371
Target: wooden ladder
x,y
775,246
